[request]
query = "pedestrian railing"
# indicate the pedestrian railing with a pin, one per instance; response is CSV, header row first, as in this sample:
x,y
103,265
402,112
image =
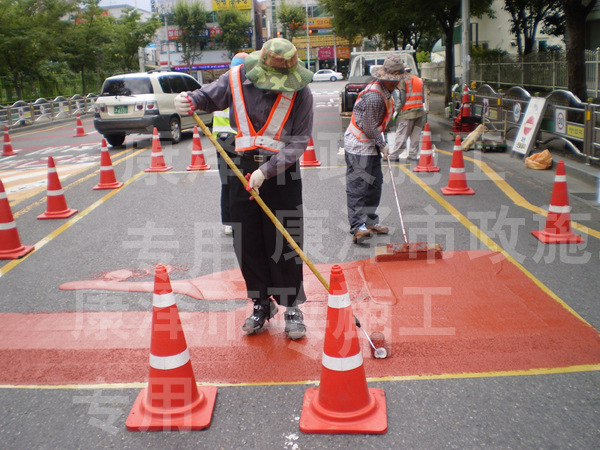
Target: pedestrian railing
x,y
566,119
22,113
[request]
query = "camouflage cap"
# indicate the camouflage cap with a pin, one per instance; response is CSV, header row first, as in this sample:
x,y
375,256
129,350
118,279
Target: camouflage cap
x,y
277,67
392,69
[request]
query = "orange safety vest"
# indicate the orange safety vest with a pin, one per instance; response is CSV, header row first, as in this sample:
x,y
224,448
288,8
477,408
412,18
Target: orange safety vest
x,y
389,104
269,136
414,93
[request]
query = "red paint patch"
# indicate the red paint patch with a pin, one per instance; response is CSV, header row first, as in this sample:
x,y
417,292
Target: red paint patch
x,y
469,312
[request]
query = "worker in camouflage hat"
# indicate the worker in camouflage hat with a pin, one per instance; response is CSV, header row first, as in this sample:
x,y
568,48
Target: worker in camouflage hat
x,y
271,111
277,67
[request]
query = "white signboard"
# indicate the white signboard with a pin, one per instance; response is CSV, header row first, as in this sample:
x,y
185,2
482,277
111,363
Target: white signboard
x,y
530,126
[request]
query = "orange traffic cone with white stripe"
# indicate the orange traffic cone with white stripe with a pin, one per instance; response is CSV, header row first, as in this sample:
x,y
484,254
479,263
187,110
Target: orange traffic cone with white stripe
x,y
558,221
172,400
80,130
157,164
426,153
309,157
7,150
457,181
10,243
107,173
198,162
56,207
342,404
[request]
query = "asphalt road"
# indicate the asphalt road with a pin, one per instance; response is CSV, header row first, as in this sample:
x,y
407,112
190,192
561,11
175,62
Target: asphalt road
x,y
173,218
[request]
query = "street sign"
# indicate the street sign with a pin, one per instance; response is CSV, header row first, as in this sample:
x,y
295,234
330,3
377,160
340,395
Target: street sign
x,y
530,126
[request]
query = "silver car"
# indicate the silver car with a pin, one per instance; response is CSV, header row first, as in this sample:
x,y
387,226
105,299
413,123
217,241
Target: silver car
x,y
136,103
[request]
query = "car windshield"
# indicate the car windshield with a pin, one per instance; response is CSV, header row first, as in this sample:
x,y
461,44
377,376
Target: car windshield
x,y
127,86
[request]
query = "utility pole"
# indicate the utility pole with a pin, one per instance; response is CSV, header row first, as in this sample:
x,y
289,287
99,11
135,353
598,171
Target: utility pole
x,y
466,42
307,38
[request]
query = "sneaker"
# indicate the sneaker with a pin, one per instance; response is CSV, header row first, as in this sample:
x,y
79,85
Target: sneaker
x,y
294,323
228,230
361,234
379,229
412,158
262,312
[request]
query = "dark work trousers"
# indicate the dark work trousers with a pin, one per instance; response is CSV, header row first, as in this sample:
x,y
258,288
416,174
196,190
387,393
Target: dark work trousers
x,y
364,179
269,265
227,141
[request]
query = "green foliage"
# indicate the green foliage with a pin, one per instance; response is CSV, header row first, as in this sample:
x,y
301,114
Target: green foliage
x,y
423,57
481,55
191,19
292,20
235,25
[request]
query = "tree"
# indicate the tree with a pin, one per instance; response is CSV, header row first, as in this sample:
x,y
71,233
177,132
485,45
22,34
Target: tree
x,y
191,19
576,12
130,33
292,19
85,40
235,25
29,31
526,17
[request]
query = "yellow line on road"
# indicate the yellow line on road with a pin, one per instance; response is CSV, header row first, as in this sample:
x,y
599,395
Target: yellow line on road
x,y
67,187
15,262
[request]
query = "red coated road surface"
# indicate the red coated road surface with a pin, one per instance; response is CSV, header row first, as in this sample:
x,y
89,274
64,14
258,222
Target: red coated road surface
x,y
470,312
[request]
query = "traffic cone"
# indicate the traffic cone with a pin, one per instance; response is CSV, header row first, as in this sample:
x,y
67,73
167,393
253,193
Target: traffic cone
x,y
56,203
10,243
80,130
157,164
426,153
465,103
342,404
198,162
107,174
457,181
558,221
7,150
309,157
172,400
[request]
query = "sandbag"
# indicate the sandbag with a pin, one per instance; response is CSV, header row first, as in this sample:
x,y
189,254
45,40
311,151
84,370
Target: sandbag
x,y
541,161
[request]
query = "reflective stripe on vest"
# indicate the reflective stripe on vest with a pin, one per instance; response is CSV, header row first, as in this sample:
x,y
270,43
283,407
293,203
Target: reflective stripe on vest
x,y
221,123
389,104
414,94
269,136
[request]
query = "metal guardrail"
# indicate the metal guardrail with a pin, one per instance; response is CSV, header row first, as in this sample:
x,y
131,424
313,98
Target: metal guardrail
x,y
22,113
568,120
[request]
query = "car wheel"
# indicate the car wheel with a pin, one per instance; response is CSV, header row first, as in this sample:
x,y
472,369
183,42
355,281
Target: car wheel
x,y
115,139
175,126
333,79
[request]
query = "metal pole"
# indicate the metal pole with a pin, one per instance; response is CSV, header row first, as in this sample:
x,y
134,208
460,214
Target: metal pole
x,y
168,44
466,42
334,54
307,38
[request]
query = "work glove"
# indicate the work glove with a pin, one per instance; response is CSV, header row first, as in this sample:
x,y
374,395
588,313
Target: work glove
x,y
255,181
385,150
183,104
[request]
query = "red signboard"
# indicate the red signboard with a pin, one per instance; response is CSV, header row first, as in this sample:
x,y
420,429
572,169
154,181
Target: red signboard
x,y
325,52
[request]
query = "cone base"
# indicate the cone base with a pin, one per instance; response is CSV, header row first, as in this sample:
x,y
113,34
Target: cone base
x,y
310,163
426,169
9,152
58,215
16,253
312,421
457,191
197,417
198,167
115,185
561,238
158,169
80,134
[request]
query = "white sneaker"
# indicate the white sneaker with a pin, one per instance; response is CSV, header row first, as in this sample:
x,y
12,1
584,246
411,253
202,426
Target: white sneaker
x,y
228,230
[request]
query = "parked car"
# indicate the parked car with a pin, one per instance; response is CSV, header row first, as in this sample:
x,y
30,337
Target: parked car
x,y
136,103
327,75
